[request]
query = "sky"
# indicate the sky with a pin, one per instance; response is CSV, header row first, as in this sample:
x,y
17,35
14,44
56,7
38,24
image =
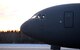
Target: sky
x,y
15,12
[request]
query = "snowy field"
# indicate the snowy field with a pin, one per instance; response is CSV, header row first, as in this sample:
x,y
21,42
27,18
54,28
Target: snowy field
x,y
29,47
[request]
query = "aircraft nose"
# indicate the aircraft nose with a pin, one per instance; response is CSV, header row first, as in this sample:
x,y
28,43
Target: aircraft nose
x,y
25,27
31,27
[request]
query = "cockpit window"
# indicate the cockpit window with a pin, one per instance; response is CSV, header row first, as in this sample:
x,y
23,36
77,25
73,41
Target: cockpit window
x,y
42,16
39,16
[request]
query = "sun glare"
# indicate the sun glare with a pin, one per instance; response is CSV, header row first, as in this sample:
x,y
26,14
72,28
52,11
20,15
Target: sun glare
x,y
14,12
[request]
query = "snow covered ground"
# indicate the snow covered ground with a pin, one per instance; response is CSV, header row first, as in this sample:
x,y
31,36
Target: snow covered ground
x,y
29,47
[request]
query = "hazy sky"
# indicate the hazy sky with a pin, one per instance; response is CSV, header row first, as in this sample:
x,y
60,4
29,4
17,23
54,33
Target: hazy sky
x,y
14,12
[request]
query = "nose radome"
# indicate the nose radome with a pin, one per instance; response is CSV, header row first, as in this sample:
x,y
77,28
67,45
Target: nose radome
x,y
27,26
31,27
24,28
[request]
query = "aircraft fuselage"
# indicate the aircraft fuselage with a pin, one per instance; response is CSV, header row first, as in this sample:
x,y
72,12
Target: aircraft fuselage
x,y
57,25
